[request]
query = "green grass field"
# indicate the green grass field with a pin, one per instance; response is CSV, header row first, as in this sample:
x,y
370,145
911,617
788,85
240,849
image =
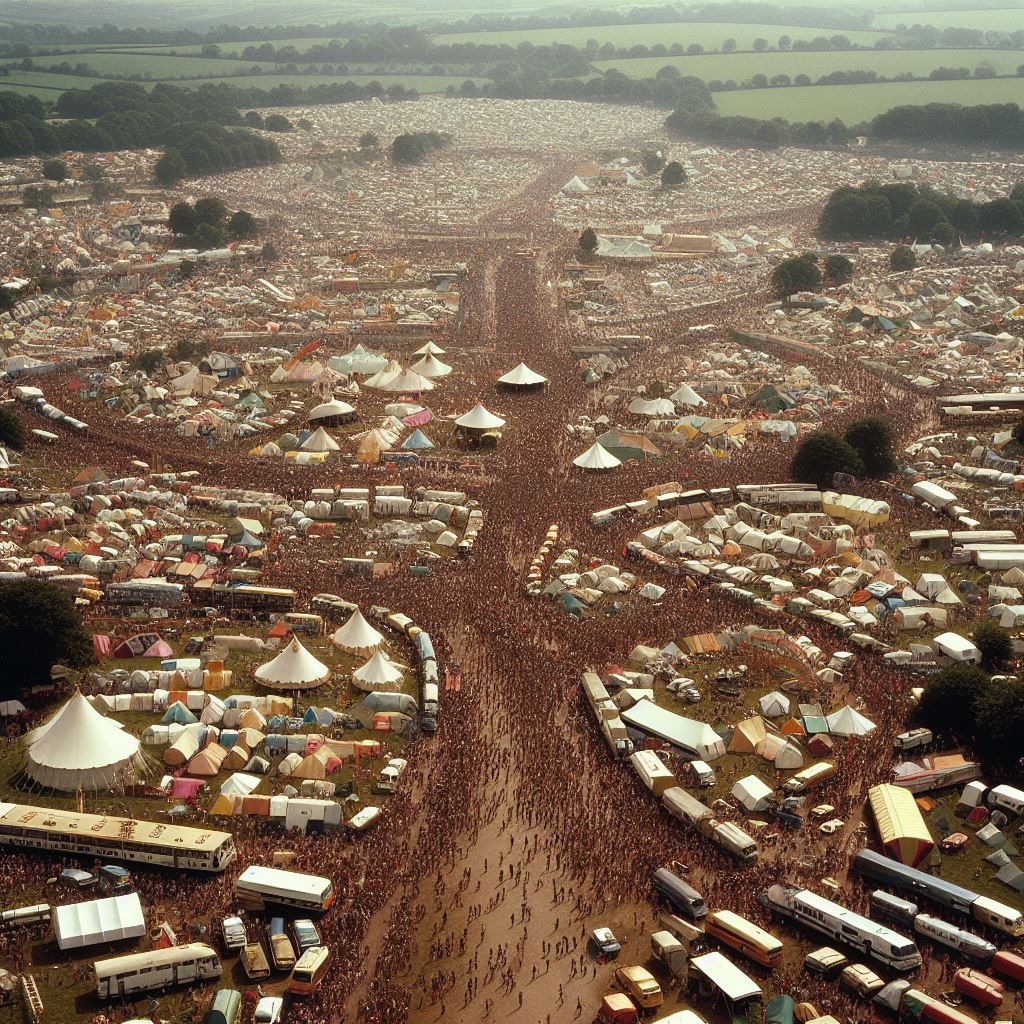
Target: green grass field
x,y
741,66
45,85
708,34
301,44
855,103
422,83
1001,20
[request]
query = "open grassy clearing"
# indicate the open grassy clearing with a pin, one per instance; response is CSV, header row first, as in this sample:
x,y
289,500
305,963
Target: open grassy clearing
x,y
708,34
741,66
301,44
855,103
157,68
44,84
994,20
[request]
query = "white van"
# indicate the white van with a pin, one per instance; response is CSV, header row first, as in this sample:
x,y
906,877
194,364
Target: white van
x,y
703,774
1006,798
809,777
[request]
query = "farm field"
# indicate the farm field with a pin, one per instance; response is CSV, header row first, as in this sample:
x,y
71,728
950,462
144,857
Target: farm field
x,y
708,34
855,103
45,85
741,66
996,20
301,44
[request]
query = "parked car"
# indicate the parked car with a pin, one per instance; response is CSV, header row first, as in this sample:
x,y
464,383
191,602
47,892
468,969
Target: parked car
x,y
861,980
269,1010
254,962
830,828
115,879
76,878
822,811
232,931
825,961
304,935
605,944
282,953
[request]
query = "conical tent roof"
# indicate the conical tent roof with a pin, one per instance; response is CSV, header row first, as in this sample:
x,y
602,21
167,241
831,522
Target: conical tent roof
x,y
377,673
381,377
685,395
80,749
417,441
320,441
431,366
407,380
522,377
478,418
596,457
430,349
357,636
293,668
327,410
848,722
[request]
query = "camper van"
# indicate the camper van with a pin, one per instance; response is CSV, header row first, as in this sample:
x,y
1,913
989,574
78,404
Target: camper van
x,y
226,1006
809,777
970,946
639,984
1006,799
680,896
703,774
387,781
310,971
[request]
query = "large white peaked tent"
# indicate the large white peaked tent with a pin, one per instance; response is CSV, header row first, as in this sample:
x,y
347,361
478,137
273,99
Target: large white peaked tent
x,y
357,636
522,377
596,457
293,669
80,749
478,418
685,395
848,722
378,674
320,441
430,366
430,349
108,920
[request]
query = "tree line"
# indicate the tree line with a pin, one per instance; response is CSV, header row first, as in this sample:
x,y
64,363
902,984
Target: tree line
x,y
998,125
902,209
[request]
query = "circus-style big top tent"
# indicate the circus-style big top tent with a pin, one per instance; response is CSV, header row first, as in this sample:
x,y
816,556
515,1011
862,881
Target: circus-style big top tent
x,y
80,749
293,669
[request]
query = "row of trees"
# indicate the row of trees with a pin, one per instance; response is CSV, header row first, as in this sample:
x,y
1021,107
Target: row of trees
x,y
866,449
902,209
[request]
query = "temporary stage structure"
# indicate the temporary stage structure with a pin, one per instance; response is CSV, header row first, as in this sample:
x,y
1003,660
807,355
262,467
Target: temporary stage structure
x,y
293,669
80,749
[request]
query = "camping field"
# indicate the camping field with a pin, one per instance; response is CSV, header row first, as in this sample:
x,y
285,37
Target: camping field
x,y
741,66
855,103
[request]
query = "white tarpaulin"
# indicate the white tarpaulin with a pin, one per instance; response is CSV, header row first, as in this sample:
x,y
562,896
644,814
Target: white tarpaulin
x,y
107,920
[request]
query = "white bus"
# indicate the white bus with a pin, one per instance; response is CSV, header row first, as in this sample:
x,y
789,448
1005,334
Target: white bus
x,y
107,838
257,886
844,925
158,968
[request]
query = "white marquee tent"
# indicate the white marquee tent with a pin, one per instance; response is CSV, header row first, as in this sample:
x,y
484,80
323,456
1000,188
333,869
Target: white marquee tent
x,y
357,636
293,669
108,920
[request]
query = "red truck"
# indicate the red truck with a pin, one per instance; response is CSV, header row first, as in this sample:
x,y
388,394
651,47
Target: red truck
x,y
980,987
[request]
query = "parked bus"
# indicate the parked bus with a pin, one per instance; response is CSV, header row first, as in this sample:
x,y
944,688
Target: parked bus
x,y
309,972
107,838
257,886
885,905
38,913
844,925
985,911
247,597
159,968
740,934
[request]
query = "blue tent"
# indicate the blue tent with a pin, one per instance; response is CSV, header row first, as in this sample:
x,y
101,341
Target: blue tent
x,y
417,441
310,718
178,713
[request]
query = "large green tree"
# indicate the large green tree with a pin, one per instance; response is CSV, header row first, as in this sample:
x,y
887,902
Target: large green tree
x,y
872,439
950,703
12,430
170,168
182,219
796,274
673,175
838,269
39,627
994,643
1000,725
588,241
821,455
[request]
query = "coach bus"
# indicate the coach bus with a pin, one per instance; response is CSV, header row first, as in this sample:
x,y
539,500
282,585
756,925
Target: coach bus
x,y
158,968
108,838
984,910
247,597
844,925
740,934
257,886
